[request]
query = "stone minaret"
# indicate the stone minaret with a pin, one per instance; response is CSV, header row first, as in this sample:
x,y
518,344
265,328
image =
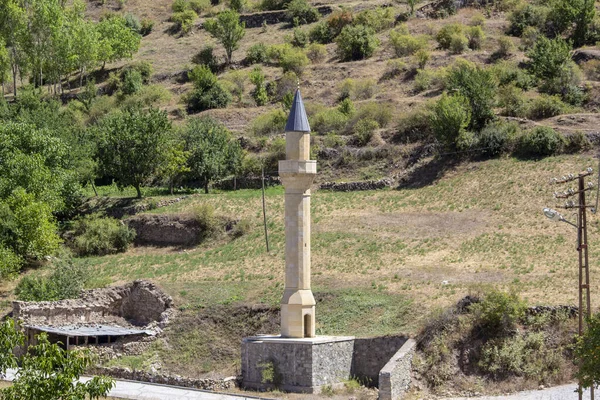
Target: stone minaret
x,y
297,173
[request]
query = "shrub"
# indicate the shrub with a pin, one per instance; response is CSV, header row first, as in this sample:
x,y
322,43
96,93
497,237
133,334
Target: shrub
x,y
512,101
204,215
364,89
478,86
330,120
458,43
294,60
301,12
256,54
541,141
587,353
476,36
378,19
147,96
238,80
346,107
10,263
346,88
237,5
577,143
529,37
143,67
498,138
363,131
445,35
208,93
200,6
394,68
321,33
184,21
415,126
65,282
477,20
356,43
549,58
427,79
316,53
242,228
96,235
267,5
450,118
299,38
132,82
592,70
527,15
422,57
508,73
260,91
381,113
545,106
498,312
179,5
505,47
133,22
206,57
406,45
326,31
270,123
147,26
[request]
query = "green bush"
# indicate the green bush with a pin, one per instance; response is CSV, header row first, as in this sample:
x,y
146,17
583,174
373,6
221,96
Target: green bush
x,y
237,5
204,215
498,138
200,6
498,312
147,26
329,120
65,282
509,73
184,21
450,118
406,45
270,123
476,37
206,57
133,22
150,95
346,107
394,68
10,263
458,43
545,106
299,38
208,93
97,235
427,79
243,227
529,37
180,5
577,143
541,141
550,58
260,91
527,15
422,57
505,47
587,353
381,113
356,42
445,35
294,60
478,86
257,53
301,12
415,126
378,19
363,131
512,101
316,53
143,67
132,82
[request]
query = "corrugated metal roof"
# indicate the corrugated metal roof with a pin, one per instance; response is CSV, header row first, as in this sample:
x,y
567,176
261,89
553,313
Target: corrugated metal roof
x,y
90,330
297,120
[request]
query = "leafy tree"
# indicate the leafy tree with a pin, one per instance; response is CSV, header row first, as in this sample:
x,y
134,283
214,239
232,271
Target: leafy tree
x,y
131,145
549,57
117,41
587,353
208,92
13,27
47,371
356,42
226,28
66,281
213,154
478,86
175,165
4,65
585,18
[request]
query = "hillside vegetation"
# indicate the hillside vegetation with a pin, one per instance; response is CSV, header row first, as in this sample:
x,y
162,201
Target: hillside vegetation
x,y
113,108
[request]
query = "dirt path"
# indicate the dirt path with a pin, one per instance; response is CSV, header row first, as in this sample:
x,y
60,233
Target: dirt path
x,y
564,392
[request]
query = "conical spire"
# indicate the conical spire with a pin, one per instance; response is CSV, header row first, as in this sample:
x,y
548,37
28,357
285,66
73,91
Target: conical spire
x,y
297,121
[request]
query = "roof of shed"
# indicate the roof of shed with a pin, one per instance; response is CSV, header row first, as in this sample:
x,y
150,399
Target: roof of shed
x,y
89,330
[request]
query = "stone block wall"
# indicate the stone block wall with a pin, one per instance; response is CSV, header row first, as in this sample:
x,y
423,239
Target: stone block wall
x,y
372,354
394,377
256,20
299,366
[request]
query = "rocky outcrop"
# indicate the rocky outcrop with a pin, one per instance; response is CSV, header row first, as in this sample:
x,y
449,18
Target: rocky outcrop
x,y
583,55
165,230
356,186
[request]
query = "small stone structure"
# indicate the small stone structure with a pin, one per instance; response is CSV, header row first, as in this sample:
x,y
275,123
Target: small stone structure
x,y
394,377
372,354
165,230
256,20
138,308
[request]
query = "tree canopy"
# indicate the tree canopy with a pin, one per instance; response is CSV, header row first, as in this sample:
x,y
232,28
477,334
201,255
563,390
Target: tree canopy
x,y
228,30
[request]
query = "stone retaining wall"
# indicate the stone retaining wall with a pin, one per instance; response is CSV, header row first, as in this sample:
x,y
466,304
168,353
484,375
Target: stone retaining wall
x,y
372,354
165,230
250,182
395,376
164,379
256,20
355,186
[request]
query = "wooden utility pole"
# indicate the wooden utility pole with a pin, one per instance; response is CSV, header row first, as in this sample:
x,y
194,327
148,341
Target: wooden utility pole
x,y
582,246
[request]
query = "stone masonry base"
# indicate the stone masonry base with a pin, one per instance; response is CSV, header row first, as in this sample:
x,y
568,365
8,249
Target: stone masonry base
x,y
296,365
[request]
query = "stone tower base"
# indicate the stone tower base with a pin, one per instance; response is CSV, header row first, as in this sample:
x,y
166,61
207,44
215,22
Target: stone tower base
x,y
296,365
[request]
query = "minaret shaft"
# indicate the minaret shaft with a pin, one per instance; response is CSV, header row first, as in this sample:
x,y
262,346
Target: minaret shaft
x,y
297,174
